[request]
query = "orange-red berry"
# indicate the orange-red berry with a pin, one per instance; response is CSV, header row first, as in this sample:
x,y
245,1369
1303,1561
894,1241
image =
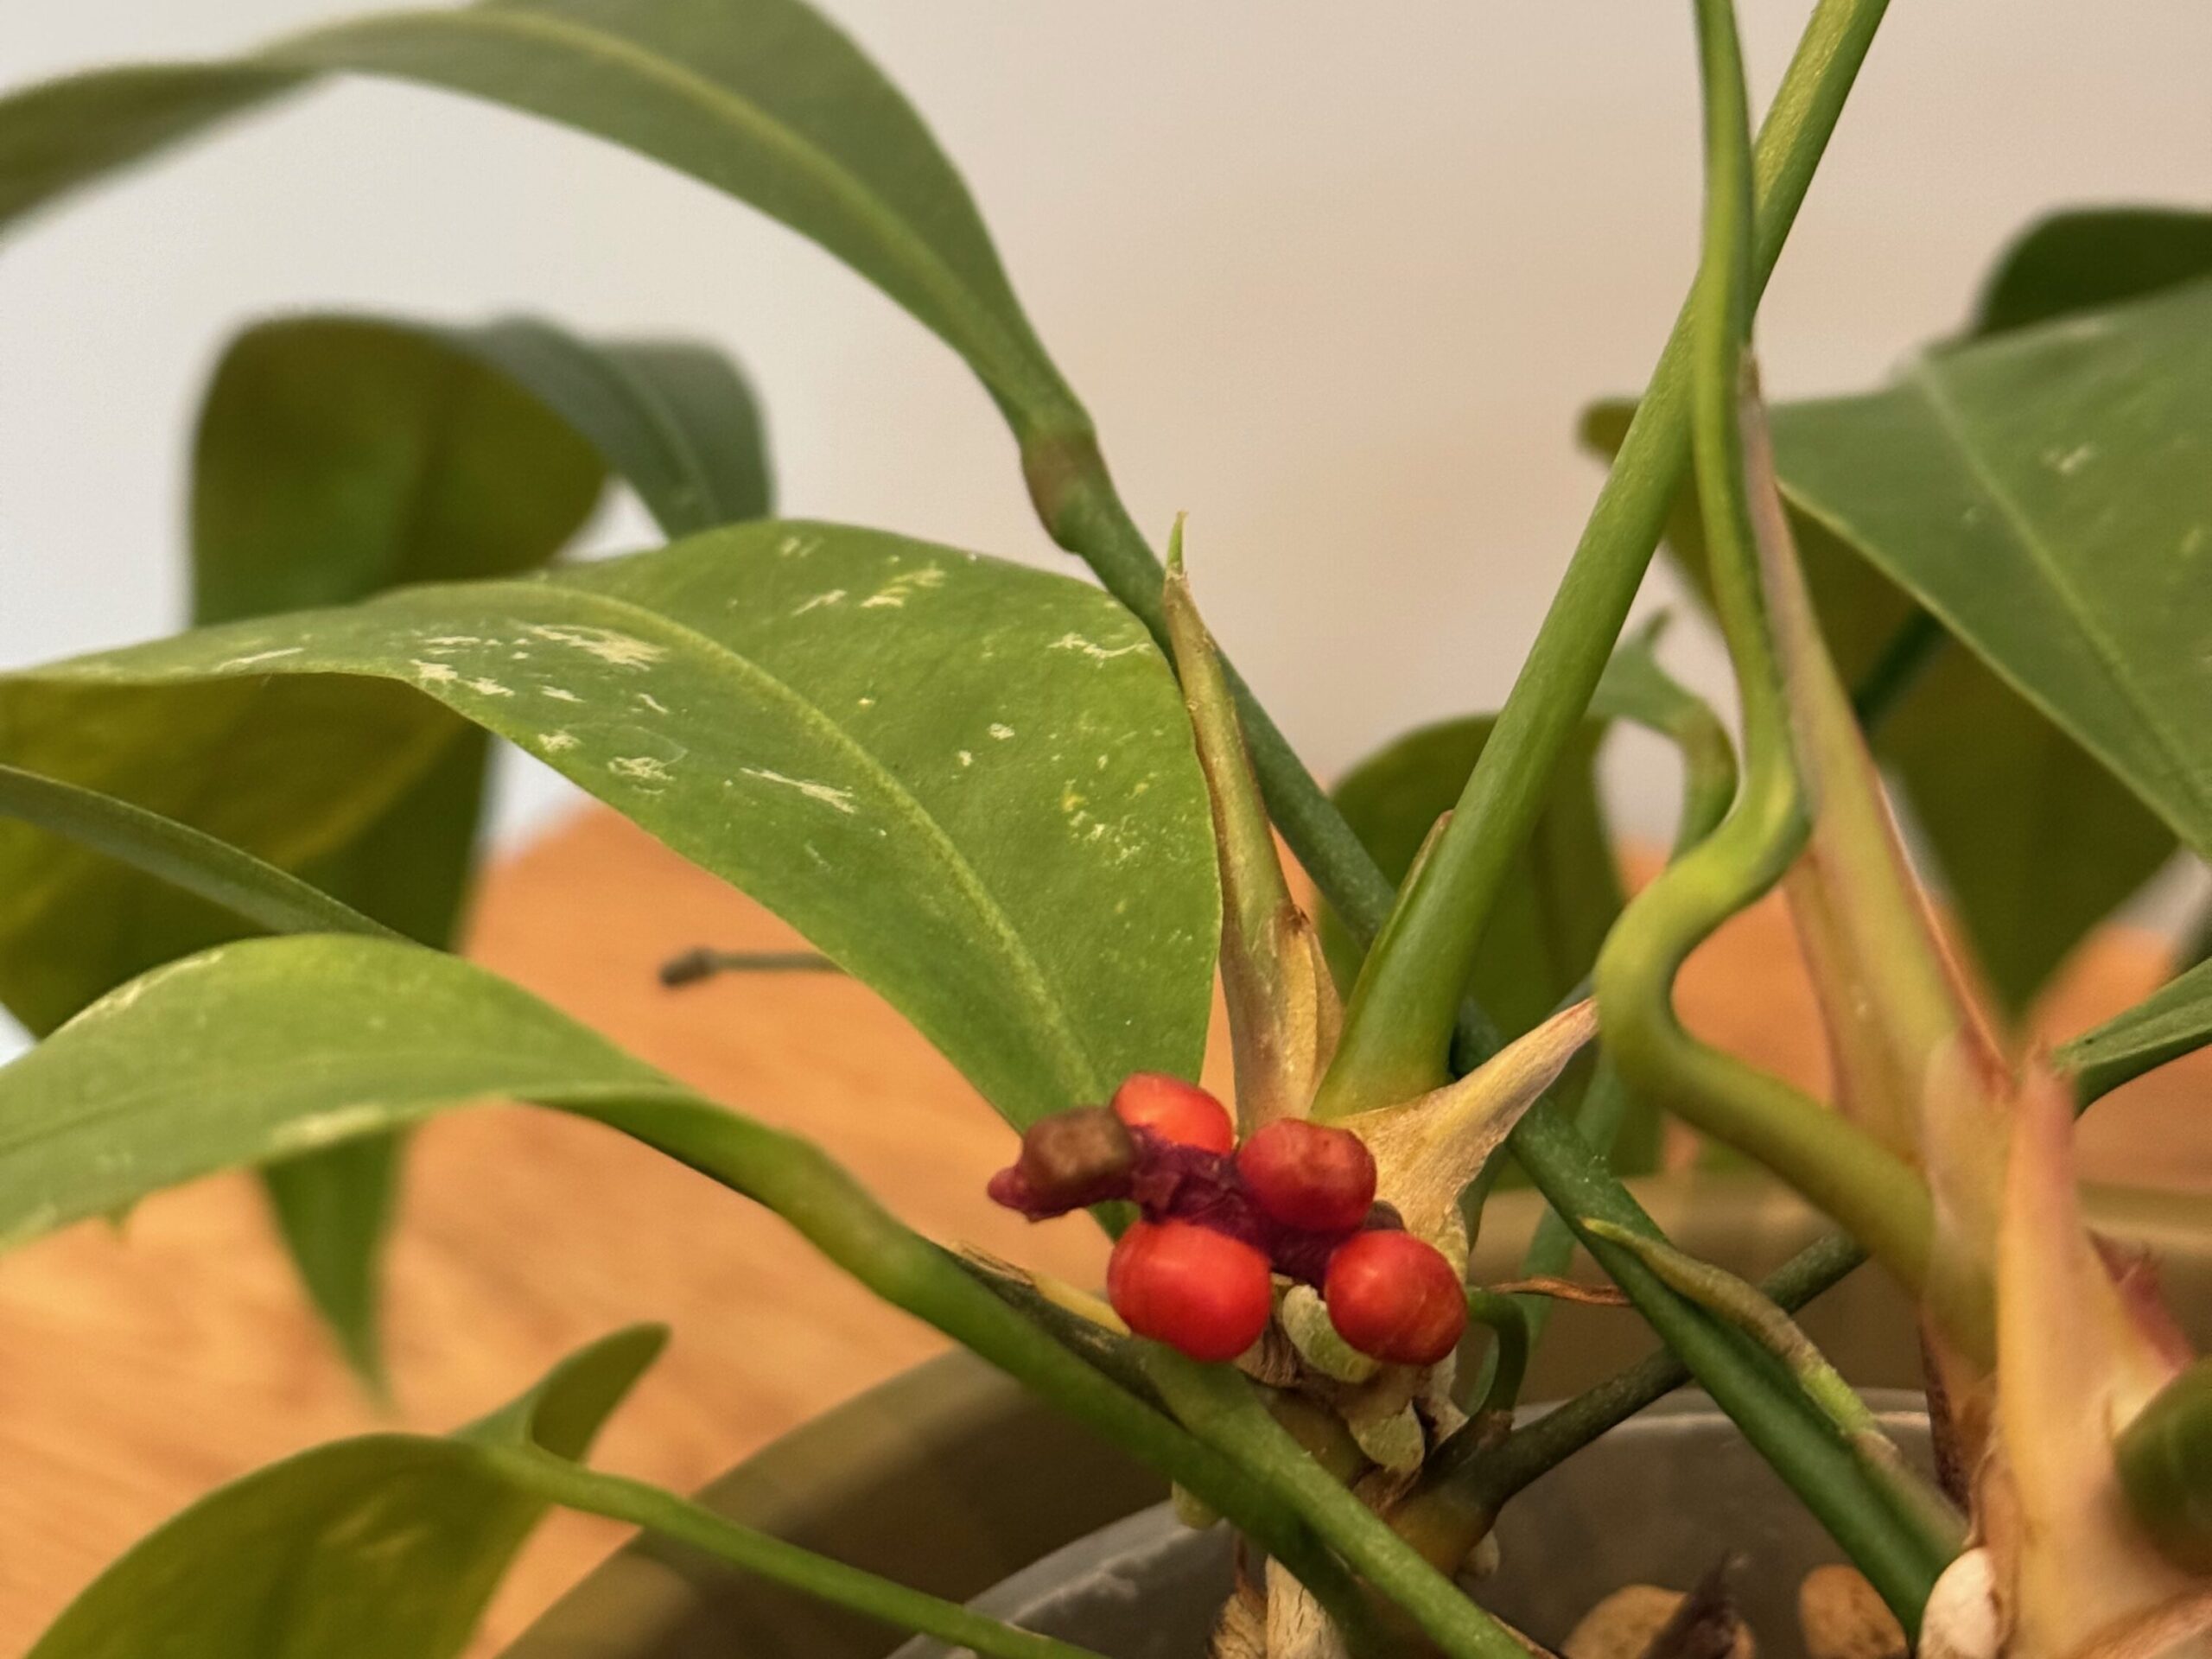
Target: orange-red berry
x,y
1174,1111
1308,1175
1191,1288
1395,1298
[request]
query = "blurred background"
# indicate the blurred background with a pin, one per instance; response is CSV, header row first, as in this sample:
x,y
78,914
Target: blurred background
x,y
1335,279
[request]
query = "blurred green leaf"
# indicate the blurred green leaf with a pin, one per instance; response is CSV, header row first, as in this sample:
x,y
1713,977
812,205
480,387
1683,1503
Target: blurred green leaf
x,y
2175,1020
2089,259
764,99
970,783
337,457
385,1544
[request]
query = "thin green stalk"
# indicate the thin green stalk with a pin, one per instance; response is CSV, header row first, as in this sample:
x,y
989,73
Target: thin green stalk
x,y
1773,1416
1218,1406
1412,980
1740,1304
662,1513
1510,1325
1077,502
1489,1477
1748,850
838,1217
1838,1166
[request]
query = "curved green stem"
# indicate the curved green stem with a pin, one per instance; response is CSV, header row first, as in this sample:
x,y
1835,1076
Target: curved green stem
x,y
1511,1334
1836,1165
662,1513
1397,1027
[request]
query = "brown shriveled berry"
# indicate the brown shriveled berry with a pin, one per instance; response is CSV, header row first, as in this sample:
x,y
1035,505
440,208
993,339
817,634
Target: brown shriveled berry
x,y
1308,1175
1395,1298
1174,1111
1197,1290
1074,1157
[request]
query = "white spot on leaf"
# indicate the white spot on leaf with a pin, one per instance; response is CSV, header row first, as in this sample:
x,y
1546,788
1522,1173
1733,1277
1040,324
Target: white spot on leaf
x,y
829,794
260,656
611,647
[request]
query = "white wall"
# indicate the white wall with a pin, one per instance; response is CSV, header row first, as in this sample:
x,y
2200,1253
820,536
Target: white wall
x,y
1335,278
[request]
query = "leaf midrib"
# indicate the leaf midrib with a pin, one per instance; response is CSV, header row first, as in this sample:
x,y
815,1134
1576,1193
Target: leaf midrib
x,y
1924,382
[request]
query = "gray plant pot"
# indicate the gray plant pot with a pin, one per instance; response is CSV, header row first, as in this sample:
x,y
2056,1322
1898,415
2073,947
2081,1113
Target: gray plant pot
x,y
1659,1501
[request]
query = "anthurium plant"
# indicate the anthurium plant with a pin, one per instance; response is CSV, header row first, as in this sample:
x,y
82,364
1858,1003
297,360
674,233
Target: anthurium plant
x,y
1040,814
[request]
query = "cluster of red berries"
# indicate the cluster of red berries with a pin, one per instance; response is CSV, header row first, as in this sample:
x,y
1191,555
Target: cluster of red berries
x,y
1221,1220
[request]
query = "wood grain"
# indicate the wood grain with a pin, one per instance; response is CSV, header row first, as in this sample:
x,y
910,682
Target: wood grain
x,y
139,1368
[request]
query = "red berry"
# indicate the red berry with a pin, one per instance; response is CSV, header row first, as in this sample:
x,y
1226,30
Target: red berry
x,y
1191,1288
1174,1111
1308,1175
1395,1298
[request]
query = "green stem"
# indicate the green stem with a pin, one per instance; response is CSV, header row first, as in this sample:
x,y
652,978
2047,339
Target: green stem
x,y
1490,1478
1773,1417
1218,1406
664,1513
1741,1304
838,1217
1412,981
1832,1161
1076,500
1511,1332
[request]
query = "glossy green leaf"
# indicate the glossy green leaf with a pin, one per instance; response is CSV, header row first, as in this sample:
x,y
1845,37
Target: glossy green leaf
x,y
2089,259
2174,1021
385,1545
2048,494
762,99
2036,841
1550,920
970,783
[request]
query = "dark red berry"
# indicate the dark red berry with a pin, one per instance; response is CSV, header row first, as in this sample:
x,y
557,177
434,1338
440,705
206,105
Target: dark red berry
x,y
1174,1111
1308,1175
1191,1288
1395,1298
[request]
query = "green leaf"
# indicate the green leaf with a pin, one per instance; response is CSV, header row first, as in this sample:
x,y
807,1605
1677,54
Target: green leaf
x,y
675,422
2089,259
178,855
2035,840
2046,494
2174,1021
764,99
969,782
387,1544
1550,918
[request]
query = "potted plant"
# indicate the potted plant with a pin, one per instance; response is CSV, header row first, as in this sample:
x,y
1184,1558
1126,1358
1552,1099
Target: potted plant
x,y
1040,818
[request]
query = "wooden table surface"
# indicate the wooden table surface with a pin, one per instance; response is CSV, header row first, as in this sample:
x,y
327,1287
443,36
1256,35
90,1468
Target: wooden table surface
x,y
138,1369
